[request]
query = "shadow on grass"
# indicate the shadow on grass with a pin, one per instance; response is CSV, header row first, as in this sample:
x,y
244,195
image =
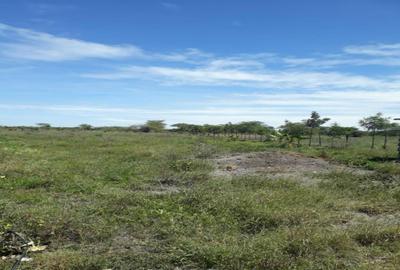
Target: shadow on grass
x,y
383,159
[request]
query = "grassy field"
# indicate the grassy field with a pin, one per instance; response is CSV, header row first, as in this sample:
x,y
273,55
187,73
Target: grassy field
x,y
120,200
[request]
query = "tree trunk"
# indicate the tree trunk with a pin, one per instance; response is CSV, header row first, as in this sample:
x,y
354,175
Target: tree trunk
x,y
373,140
347,140
298,142
332,142
311,134
319,138
385,142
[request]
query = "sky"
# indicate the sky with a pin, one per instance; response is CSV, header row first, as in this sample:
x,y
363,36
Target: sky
x,y
120,63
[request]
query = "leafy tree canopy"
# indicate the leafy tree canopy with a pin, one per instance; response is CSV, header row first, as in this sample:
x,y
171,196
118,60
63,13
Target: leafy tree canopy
x,y
375,122
155,125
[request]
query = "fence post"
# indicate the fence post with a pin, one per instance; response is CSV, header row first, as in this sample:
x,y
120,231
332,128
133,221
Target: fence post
x,y
398,143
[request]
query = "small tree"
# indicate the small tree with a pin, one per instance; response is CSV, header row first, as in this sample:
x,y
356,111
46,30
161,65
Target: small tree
x,y
144,129
350,132
181,127
373,124
207,129
336,131
44,125
388,127
188,128
135,128
315,121
294,131
155,126
85,127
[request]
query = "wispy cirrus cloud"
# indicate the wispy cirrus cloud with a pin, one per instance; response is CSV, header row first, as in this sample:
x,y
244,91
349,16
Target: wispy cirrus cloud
x,y
328,62
269,79
190,55
26,44
352,55
375,50
21,43
325,100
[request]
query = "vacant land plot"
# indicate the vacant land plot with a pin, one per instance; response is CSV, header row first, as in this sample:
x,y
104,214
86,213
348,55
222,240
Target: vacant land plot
x,y
118,200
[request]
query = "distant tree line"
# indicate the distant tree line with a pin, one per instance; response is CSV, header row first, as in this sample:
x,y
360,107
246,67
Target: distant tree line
x,y
289,132
296,132
240,130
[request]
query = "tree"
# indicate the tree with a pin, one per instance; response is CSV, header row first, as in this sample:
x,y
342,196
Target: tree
x,y
85,127
229,128
181,127
294,130
207,129
154,126
210,129
44,125
135,128
336,131
253,127
350,132
315,121
373,124
144,128
216,129
388,127
189,128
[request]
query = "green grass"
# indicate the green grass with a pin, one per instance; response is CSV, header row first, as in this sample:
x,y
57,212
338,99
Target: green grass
x,y
107,200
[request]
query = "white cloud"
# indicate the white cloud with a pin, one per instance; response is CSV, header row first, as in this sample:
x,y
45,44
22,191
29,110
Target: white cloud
x,y
269,79
31,45
236,63
190,55
341,101
353,55
325,62
375,50
27,44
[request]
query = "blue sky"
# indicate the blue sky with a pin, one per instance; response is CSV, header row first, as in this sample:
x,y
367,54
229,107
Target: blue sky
x,y
124,62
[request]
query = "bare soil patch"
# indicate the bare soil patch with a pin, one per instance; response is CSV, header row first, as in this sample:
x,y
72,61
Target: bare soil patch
x,y
276,164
